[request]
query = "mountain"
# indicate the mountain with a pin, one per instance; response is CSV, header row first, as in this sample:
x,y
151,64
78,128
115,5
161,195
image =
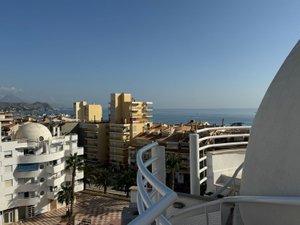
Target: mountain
x,y
22,108
10,98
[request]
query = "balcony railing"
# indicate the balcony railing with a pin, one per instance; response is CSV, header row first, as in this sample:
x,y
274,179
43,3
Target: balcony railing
x,y
198,148
153,195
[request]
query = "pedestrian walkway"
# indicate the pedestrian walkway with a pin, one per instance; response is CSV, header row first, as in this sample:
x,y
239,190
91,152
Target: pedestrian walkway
x,y
89,209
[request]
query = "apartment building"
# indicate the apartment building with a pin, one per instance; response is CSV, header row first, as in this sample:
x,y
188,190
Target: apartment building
x,y
32,169
6,118
128,118
94,139
85,112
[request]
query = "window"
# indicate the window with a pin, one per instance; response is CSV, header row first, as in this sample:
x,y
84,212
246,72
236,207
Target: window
x,y
28,151
8,183
27,167
26,194
8,168
7,154
9,216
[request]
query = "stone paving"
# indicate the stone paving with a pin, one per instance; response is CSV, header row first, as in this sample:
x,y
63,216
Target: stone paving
x,y
98,209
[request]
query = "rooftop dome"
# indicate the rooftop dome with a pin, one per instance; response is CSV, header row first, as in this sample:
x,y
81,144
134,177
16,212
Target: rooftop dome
x,y
272,159
33,132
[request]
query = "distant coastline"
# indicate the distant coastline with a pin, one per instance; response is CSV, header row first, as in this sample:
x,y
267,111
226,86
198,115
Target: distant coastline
x,y
213,116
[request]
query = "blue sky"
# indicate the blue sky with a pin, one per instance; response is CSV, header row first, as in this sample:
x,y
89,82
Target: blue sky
x,y
178,54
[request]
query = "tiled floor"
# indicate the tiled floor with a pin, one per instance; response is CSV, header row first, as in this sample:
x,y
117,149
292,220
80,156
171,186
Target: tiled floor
x,y
99,209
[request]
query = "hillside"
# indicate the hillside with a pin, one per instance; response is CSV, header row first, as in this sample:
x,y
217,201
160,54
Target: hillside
x,y
22,108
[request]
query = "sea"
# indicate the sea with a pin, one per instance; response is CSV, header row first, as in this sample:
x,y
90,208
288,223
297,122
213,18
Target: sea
x,y
213,116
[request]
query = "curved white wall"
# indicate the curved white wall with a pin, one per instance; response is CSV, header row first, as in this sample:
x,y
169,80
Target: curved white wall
x,y
272,163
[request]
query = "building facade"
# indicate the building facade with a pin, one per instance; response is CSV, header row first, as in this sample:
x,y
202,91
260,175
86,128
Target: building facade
x,y
32,169
94,139
85,112
6,118
128,118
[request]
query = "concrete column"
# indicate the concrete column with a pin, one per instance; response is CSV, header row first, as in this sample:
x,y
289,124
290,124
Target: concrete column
x,y
58,131
160,164
53,131
194,164
16,214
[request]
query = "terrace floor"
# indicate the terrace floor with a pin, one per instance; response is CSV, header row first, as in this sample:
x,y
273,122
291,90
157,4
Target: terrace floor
x,y
91,206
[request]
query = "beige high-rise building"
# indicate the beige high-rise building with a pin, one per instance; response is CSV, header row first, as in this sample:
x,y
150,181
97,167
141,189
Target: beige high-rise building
x,y
128,118
85,112
6,118
95,141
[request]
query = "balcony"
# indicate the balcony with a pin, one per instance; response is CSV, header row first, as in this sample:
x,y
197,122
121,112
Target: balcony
x,y
55,169
26,201
79,176
28,187
56,181
29,174
41,158
78,150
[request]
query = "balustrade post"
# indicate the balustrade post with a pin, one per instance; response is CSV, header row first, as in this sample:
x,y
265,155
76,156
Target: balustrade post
x,y
159,166
194,164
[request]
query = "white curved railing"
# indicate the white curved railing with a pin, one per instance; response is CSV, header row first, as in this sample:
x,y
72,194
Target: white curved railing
x,y
202,214
198,172
153,196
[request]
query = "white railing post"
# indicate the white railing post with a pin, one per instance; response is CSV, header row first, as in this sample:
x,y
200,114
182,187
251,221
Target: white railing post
x,y
159,168
194,164
159,165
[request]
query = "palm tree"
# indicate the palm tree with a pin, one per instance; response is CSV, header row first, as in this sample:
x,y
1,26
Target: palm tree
x,y
125,179
74,163
103,177
64,196
173,164
88,175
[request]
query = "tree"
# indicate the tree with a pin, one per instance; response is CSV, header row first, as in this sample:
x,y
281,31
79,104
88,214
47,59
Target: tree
x,y
173,164
64,196
89,171
74,163
103,177
125,179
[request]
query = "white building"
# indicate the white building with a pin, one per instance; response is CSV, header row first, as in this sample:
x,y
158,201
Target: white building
x,y
32,169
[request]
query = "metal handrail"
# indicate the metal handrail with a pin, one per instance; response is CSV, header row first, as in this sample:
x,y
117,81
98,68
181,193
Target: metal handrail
x,y
149,209
277,200
223,128
197,147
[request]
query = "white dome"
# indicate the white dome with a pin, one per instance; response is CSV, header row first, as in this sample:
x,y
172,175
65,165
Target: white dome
x,y
33,132
272,159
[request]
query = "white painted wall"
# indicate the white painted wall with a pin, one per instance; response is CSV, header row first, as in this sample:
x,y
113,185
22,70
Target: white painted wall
x,y
272,164
222,162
